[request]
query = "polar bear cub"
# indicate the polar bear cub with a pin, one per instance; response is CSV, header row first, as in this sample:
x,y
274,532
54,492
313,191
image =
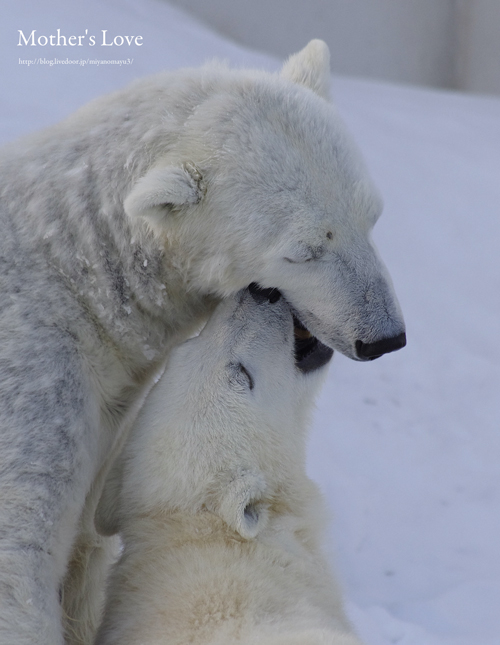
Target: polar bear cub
x,y
220,524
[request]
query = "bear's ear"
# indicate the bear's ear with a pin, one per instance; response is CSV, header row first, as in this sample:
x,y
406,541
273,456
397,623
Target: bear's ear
x,y
163,189
310,67
240,504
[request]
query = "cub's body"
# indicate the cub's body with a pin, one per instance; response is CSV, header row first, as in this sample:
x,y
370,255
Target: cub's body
x,y
221,525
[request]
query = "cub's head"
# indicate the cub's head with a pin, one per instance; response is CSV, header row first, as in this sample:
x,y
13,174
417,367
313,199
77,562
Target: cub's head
x,y
223,430
264,185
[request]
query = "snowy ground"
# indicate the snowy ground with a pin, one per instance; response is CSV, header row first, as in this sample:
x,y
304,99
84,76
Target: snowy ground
x,y
407,448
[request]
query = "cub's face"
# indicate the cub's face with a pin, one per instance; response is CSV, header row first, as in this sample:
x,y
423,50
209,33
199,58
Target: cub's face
x,y
253,364
224,427
235,402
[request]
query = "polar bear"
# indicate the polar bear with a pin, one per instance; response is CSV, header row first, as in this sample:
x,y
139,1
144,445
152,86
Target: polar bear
x,y
122,228
220,523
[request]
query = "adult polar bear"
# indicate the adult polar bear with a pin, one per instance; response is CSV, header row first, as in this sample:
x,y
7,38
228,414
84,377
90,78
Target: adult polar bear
x,y
221,526
122,227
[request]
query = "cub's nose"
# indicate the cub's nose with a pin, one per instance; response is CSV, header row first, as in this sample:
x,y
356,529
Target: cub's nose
x,y
370,351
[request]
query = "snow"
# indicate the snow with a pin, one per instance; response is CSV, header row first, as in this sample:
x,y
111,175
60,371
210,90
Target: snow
x,y
406,448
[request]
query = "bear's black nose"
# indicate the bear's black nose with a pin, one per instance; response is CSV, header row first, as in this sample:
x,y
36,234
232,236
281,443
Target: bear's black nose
x,y
261,295
370,351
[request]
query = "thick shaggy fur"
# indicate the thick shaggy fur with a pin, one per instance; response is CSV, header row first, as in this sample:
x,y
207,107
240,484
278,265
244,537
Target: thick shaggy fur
x,y
122,228
221,526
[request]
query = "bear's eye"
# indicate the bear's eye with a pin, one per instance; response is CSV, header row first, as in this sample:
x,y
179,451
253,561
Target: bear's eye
x,y
240,377
298,260
305,253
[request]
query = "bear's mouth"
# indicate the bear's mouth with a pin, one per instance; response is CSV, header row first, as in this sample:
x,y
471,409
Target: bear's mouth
x,y
310,353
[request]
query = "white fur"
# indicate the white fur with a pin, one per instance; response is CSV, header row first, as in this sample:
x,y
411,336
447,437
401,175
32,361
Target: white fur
x,y
122,227
220,524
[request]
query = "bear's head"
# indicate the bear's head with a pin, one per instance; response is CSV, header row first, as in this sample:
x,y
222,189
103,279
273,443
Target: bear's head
x,y
224,428
264,185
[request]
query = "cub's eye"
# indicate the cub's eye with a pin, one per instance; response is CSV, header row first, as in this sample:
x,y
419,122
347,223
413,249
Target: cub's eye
x,y
240,377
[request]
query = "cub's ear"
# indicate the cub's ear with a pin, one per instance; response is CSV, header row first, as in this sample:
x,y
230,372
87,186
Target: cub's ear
x,y
164,189
239,502
310,67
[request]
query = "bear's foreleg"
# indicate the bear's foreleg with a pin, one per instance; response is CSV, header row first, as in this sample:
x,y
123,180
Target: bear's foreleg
x,y
49,447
